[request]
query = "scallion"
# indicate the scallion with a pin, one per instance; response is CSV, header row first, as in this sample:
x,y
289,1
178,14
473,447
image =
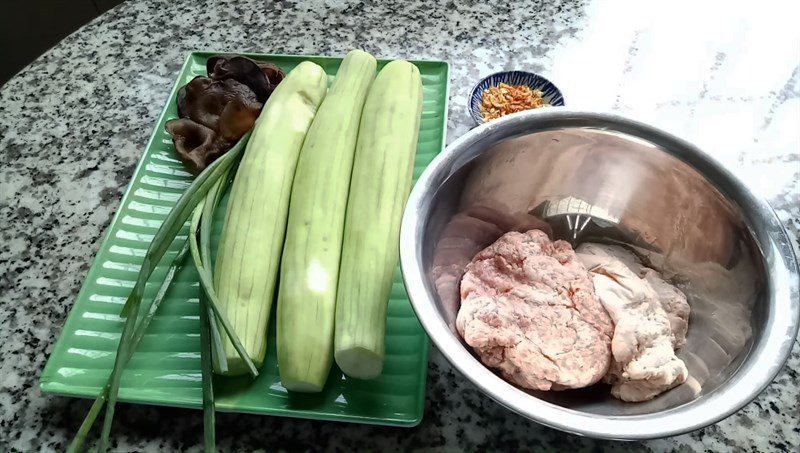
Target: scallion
x,y
161,241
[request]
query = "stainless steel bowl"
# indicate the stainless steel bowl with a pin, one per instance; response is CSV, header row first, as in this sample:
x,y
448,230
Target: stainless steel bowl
x,y
593,176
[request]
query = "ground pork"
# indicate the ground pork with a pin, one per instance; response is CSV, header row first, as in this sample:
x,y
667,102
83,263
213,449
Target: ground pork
x,y
528,309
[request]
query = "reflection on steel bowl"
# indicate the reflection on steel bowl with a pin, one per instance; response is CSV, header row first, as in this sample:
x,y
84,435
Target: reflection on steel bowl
x,y
600,177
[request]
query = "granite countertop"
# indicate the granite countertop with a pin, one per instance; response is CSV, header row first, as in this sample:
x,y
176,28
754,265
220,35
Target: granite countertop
x,y
74,123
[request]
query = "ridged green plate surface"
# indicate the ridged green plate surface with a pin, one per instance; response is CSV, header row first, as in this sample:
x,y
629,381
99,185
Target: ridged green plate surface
x,y
165,369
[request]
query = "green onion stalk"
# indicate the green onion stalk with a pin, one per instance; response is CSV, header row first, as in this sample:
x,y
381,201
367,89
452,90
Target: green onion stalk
x,y
199,202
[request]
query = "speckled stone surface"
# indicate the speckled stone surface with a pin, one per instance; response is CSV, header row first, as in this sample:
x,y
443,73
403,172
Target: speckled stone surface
x,y
74,123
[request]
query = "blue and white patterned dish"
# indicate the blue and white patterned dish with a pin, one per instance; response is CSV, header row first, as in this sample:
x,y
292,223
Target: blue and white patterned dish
x,y
550,93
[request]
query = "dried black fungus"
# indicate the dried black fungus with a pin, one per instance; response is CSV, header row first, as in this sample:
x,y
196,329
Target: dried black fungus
x,y
196,144
259,77
274,74
205,99
216,111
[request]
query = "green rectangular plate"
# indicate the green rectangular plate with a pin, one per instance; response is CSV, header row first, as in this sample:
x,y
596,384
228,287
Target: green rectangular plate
x,y
165,369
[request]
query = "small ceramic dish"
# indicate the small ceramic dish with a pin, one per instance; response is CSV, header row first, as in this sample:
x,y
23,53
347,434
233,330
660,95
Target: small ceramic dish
x,y
550,93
